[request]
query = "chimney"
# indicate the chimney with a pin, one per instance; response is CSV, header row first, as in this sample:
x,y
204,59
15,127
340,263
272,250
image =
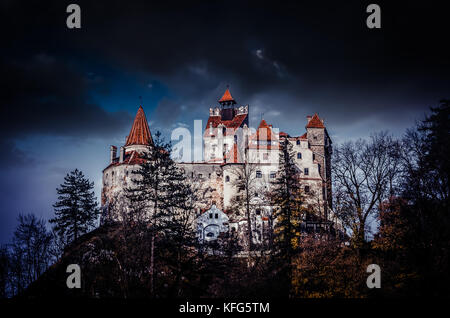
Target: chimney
x,y
122,153
113,151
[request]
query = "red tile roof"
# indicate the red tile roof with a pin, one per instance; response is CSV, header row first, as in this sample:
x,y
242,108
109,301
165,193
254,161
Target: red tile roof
x,y
215,121
226,97
315,122
264,133
139,133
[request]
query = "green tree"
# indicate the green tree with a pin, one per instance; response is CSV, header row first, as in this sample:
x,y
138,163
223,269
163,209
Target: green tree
x,y
288,214
161,197
76,210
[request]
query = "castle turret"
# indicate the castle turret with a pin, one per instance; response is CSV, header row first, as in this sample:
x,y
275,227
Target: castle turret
x,y
140,137
117,176
320,144
222,128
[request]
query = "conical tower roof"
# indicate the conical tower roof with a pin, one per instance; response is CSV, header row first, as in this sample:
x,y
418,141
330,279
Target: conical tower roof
x,y
315,122
140,132
227,98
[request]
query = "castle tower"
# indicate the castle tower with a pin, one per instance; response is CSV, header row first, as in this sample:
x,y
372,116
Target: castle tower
x,y
140,137
222,129
117,175
320,144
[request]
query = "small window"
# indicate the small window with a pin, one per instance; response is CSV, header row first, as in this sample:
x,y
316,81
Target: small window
x,y
314,156
238,198
210,216
259,174
258,211
200,176
298,142
306,189
227,179
273,174
192,174
306,171
216,216
315,137
209,175
210,234
299,155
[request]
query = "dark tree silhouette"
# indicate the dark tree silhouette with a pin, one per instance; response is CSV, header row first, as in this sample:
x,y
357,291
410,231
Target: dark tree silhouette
x,y
76,210
161,197
364,174
29,252
288,214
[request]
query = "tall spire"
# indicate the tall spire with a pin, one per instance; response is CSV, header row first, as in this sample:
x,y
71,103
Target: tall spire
x,y
140,132
227,99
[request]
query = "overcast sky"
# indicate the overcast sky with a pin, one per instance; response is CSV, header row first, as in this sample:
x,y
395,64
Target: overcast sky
x,y
67,94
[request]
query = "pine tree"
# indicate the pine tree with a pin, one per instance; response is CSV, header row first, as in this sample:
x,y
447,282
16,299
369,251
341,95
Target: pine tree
x,y
76,209
161,197
288,214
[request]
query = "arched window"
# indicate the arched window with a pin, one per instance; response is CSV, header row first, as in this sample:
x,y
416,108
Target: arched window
x,y
227,179
298,142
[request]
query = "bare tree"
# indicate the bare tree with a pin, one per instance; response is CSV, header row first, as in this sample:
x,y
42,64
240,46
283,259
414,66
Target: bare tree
x,y
245,183
30,251
364,174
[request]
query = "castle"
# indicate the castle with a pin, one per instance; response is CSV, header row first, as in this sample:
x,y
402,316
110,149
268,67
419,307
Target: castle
x,y
230,146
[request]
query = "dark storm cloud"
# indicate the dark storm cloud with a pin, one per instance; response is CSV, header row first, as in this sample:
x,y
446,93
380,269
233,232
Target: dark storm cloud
x,y
316,57
320,55
46,95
